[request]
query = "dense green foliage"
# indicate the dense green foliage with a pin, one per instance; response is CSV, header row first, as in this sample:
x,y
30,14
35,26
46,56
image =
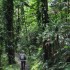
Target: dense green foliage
x,y
30,31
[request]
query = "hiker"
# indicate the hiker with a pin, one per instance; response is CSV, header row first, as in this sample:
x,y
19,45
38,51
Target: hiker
x,y
22,58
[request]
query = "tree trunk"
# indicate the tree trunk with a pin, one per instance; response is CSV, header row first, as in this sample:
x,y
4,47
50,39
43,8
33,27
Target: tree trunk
x,y
45,18
9,31
44,22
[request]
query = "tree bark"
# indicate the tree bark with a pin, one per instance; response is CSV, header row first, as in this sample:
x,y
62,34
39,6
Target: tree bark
x,y
45,18
9,31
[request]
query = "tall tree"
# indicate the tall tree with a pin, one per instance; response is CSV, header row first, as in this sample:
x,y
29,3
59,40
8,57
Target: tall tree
x,y
44,23
9,31
45,18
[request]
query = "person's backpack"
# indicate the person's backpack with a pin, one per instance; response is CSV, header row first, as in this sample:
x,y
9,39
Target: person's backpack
x,y
22,56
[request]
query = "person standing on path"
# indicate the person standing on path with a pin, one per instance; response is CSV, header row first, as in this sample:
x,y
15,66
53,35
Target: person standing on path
x,y
22,58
